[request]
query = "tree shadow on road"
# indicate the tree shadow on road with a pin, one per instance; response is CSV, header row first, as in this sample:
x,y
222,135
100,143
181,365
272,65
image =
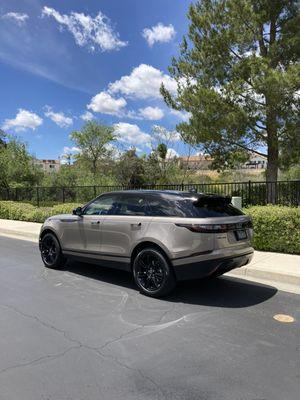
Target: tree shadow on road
x,y
225,292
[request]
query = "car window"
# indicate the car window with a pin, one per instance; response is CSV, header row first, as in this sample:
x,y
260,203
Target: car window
x,y
210,210
103,205
166,206
132,205
178,206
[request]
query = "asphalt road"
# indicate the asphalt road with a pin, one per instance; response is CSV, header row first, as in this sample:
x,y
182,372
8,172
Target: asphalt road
x,y
85,333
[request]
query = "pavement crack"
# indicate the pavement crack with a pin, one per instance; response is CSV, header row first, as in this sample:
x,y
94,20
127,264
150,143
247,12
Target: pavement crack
x,y
43,323
119,338
40,360
126,366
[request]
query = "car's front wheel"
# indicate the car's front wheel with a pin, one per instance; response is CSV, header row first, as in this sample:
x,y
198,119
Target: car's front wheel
x,y
51,252
152,273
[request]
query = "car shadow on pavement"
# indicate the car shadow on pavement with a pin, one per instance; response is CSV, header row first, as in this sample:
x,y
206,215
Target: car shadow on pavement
x,y
225,291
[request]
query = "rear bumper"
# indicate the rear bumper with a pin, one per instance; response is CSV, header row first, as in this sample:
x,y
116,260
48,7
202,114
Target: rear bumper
x,y
205,268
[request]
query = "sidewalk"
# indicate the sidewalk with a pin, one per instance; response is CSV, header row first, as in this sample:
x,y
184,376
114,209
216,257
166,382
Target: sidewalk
x,y
276,269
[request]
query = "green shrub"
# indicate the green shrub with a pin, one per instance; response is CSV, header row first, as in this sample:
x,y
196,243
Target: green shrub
x,y
276,228
29,212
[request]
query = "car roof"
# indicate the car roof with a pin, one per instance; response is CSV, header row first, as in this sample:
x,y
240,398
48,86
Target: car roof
x,y
157,192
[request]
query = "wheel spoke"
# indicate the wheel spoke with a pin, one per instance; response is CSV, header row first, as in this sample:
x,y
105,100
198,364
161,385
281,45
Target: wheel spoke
x,y
49,250
150,273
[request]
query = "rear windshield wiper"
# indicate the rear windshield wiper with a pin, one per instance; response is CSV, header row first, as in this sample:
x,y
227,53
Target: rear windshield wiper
x,y
212,200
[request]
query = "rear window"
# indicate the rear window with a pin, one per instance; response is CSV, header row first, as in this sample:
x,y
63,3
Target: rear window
x,y
178,206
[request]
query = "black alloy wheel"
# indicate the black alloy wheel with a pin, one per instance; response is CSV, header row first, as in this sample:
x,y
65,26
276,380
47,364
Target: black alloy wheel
x,y
51,251
152,273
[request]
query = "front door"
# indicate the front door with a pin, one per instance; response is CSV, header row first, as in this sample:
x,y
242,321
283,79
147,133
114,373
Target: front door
x,y
82,235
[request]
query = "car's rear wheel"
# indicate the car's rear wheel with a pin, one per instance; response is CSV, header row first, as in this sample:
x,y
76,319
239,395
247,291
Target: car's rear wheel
x,y
51,252
152,273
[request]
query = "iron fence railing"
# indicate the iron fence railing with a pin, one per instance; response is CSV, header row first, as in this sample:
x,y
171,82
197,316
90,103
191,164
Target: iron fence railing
x,y
252,193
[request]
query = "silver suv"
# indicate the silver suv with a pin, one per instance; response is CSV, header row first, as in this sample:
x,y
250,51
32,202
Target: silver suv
x,y
160,236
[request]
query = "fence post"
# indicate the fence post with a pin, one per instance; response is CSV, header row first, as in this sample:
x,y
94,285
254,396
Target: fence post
x,y
37,196
249,192
182,186
95,191
63,194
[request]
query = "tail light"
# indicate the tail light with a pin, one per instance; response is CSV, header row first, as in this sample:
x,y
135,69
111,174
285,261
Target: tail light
x,y
216,228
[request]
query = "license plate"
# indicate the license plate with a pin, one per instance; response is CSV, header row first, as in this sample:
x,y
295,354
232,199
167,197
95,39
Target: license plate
x,y
241,235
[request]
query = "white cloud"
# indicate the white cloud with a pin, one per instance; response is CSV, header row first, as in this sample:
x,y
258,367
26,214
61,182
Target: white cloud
x,y
131,134
59,118
159,33
24,120
144,82
171,153
160,133
152,113
148,113
182,115
87,116
73,149
104,103
88,31
19,18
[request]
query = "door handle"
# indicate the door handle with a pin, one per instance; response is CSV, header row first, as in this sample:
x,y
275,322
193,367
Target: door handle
x,y
136,225
95,222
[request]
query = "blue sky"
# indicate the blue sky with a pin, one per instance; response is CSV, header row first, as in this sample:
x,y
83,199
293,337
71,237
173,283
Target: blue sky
x,y
102,59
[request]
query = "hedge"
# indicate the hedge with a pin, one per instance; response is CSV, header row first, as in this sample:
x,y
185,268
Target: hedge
x,y
276,228
28,212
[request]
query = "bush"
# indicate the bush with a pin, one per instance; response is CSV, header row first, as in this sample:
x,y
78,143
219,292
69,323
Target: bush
x,y
29,212
276,228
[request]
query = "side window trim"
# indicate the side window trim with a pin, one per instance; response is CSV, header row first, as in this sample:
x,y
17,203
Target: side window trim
x,y
102,196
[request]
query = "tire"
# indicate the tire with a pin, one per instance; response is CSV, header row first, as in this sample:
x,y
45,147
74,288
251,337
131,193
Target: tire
x,y
152,273
51,252
217,274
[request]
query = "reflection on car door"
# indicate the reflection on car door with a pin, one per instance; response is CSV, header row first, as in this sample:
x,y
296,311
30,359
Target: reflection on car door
x,y
83,235
127,225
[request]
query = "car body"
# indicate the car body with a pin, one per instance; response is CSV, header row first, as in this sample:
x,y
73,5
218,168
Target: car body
x,y
196,235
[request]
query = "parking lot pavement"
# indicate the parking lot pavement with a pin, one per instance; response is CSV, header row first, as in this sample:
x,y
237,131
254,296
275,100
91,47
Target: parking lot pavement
x,y
86,333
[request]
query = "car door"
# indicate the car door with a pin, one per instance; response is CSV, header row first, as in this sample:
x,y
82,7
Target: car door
x,y
126,225
85,235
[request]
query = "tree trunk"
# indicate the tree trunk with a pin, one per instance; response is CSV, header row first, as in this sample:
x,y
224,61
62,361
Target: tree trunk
x,y
94,168
273,157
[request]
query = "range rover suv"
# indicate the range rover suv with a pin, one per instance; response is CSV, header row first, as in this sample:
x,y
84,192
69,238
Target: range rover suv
x,y
160,236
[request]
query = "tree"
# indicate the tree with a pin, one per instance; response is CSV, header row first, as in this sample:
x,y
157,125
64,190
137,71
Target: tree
x,y
162,151
68,157
163,158
2,139
130,169
17,165
94,143
238,76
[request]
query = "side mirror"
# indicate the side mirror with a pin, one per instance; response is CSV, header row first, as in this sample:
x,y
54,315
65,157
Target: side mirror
x,y
77,211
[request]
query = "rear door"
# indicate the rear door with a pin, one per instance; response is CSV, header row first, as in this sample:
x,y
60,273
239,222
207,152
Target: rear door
x,y
125,226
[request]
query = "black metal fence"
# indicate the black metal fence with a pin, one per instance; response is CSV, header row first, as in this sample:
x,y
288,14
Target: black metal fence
x,y
252,193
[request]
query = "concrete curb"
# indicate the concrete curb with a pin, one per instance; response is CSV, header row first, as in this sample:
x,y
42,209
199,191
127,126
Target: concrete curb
x,y
267,275
20,235
20,229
